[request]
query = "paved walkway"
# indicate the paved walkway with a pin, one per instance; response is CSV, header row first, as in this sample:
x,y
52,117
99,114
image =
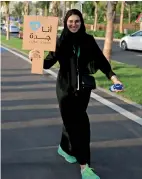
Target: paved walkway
x,y
31,129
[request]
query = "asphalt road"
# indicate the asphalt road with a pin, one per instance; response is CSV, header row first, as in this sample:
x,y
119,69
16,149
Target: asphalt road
x,y
129,57
31,129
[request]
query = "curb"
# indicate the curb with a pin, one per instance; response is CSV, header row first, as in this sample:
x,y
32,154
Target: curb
x,y
120,98
103,38
99,88
14,49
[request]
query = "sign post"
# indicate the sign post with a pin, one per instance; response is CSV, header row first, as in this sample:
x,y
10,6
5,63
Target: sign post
x,y
37,62
39,33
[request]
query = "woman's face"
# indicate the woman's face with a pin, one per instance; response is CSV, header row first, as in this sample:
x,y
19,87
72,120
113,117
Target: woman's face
x,y
74,23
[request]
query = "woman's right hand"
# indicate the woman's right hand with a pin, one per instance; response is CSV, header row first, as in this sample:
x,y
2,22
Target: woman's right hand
x,y
31,54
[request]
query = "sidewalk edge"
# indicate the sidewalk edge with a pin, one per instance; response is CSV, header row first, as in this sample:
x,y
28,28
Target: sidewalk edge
x,y
120,97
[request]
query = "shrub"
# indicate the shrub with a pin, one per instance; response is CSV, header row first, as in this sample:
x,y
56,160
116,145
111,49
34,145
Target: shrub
x,y
21,28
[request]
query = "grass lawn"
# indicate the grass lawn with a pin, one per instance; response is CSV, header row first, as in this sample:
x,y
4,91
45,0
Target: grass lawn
x,y
13,42
131,76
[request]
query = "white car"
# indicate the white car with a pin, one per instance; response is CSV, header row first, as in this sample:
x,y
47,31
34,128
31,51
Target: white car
x,y
12,28
132,41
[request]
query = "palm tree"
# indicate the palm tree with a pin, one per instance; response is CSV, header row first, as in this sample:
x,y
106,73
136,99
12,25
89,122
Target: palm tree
x,y
26,7
71,4
96,15
64,7
102,7
45,6
122,16
5,4
55,8
111,9
128,7
129,13
18,9
140,25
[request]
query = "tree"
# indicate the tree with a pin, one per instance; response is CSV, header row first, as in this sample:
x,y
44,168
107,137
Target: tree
x,y
95,9
26,7
45,6
71,4
102,8
111,9
129,5
96,15
18,9
5,4
129,13
55,8
122,16
88,8
64,7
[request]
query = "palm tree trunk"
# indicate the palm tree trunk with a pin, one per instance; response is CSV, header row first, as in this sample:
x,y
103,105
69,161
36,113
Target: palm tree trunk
x,y
111,9
96,16
45,10
108,40
55,8
64,9
7,22
69,4
26,8
140,25
129,13
121,17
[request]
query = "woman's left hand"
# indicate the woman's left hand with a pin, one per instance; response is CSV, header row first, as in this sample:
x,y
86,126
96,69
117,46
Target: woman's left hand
x,y
116,81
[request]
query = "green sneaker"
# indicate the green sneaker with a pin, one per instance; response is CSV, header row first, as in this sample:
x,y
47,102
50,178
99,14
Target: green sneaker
x,y
67,157
88,173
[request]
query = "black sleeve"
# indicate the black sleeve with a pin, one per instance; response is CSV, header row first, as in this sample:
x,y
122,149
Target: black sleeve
x,y
101,60
51,58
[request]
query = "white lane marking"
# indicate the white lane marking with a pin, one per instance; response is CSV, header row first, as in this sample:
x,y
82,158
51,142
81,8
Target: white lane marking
x,y
118,109
109,104
139,55
120,98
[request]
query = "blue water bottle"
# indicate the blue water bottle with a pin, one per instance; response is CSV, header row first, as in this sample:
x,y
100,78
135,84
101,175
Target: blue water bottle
x,y
115,87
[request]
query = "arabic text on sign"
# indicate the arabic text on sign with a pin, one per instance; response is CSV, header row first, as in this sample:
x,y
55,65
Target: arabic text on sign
x,y
36,37
49,29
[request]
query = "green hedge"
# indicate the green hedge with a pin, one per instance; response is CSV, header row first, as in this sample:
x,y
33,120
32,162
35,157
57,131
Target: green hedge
x,y
101,33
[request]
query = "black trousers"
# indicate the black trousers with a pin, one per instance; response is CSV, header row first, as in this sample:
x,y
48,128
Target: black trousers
x,y
75,138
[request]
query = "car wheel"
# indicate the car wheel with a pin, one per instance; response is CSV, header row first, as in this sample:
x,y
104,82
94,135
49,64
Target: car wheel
x,y
124,45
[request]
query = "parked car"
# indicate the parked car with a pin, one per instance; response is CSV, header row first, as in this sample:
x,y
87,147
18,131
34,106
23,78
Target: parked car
x,y
132,41
12,28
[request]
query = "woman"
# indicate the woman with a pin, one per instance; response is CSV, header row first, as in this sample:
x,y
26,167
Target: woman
x,y
78,55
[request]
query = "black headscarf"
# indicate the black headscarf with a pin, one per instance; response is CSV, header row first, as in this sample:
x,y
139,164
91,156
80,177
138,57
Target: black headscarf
x,y
67,38
68,59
